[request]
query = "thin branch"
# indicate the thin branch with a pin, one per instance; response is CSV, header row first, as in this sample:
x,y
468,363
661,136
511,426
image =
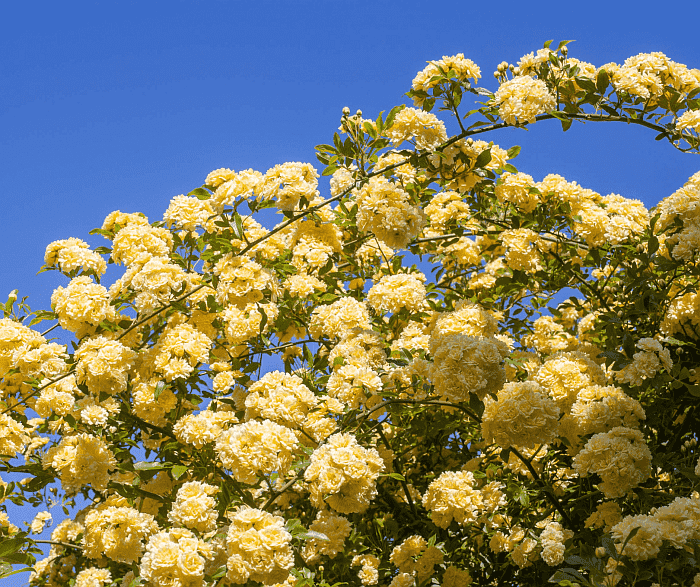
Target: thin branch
x,y
545,488
56,543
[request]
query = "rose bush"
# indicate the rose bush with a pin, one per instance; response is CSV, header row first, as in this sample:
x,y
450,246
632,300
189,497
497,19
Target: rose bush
x,y
439,413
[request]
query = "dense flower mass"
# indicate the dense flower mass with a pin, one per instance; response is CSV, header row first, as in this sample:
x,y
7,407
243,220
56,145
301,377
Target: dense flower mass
x,y
522,99
395,292
254,448
466,364
287,184
464,69
117,532
71,255
620,457
175,557
522,415
425,128
195,507
258,547
444,371
343,474
81,460
452,496
385,210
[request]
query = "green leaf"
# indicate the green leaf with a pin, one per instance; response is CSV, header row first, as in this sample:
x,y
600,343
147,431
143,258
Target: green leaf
x,y
483,159
602,81
564,43
653,245
178,471
631,535
609,545
396,476
239,227
586,83
326,148
200,193
150,466
6,570
568,577
370,130
513,152
694,390
392,114
220,572
10,546
159,389
505,455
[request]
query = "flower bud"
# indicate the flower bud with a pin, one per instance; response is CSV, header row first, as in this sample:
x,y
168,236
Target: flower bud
x,y
346,111
12,298
600,552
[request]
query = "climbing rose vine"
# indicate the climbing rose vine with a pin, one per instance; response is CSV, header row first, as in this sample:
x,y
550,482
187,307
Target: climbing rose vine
x,y
385,384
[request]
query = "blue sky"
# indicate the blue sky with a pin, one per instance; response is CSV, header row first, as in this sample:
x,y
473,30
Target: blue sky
x,y
123,105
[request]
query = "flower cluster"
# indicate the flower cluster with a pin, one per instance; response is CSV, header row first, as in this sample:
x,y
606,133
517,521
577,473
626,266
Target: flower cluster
x,y
620,457
258,547
288,183
426,128
453,496
256,448
342,474
466,364
393,293
385,210
415,558
335,528
81,460
71,255
523,415
194,507
118,532
464,69
175,557
523,98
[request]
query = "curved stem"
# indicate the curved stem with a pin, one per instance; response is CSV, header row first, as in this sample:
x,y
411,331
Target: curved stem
x,y
545,488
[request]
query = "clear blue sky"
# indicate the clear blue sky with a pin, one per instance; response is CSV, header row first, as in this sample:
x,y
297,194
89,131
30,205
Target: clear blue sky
x,y
123,105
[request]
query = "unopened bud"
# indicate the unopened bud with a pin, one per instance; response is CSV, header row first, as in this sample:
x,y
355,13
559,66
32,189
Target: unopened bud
x,y
358,113
12,298
564,50
600,552
496,74
346,111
